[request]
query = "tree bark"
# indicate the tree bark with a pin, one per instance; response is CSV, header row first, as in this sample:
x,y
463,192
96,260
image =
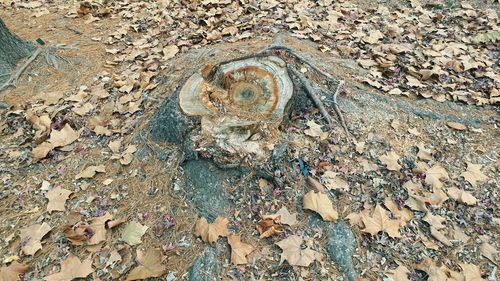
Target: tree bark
x,y
12,49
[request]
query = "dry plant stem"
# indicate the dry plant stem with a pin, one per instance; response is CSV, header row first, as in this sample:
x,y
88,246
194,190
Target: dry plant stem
x,y
312,94
15,76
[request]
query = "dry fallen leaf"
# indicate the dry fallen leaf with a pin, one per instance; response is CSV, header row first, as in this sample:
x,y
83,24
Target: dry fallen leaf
x,y
133,232
471,272
456,126
321,204
269,225
404,215
461,196
379,221
390,160
239,250
434,175
436,273
333,181
440,237
90,172
294,253
434,221
399,274
12,272
57,139
286,217
315,131
31,236
474,174
489,251
57,199
170,52
72,268
211,232
150,265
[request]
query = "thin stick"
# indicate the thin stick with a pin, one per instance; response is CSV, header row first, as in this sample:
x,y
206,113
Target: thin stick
x,y
337,108
312,94
13,79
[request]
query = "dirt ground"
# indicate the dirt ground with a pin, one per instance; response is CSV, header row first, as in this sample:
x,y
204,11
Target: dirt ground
x,y
120,70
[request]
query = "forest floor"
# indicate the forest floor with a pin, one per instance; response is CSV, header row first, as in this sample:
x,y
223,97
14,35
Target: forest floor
x,y
417,183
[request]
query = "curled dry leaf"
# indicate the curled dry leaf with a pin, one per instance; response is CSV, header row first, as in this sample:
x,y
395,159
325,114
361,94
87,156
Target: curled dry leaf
x,y
57,139
321,204
390,160
72,268
294,253
269,225
127,155
31,236
57,199
150,265
462,196
379,221
90,172
474,174
239,250
12,272
210,232
133,232
92,232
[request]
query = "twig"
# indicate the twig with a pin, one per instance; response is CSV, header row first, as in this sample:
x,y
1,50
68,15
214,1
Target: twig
x,y
312,94
13,79
337,108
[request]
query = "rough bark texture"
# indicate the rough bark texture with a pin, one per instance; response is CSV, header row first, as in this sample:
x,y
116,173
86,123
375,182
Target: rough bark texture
x,y
12,49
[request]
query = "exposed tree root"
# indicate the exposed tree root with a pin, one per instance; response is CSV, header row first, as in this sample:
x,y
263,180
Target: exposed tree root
x,y
311,92
51,60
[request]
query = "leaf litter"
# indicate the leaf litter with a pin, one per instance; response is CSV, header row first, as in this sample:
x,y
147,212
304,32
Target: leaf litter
x,y
76,127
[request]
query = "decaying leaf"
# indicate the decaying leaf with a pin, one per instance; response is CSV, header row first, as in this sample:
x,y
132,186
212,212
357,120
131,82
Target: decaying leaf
x,y
489,251
315,131
321,204
150,265
461,196
72,268
31,236
379,221
210,232
12,272
57,199
473,174
286,217
90,172
294,253
239,250
133,232
390,160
